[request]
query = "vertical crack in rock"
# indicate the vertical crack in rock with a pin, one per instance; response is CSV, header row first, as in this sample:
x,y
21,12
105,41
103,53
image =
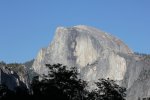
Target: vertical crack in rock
x,y
71,46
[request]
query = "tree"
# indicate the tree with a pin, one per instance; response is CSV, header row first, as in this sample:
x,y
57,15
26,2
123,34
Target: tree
x,y
107,90
61,81
5,93
44,89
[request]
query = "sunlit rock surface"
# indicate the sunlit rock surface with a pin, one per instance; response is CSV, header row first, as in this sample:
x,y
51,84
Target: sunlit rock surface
x,y
37,62
96,54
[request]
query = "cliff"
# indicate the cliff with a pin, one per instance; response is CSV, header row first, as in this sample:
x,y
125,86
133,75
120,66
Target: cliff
x,y
13,76
96,54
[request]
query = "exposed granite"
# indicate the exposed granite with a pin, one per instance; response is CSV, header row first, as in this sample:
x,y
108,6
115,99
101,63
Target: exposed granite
x,y
11,78
96,54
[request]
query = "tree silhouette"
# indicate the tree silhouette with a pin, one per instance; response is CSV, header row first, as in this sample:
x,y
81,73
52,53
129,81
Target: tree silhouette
x,y
107,90
45,89
60,83
5,93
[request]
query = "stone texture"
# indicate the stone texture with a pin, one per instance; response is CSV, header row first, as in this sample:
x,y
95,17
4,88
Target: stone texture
x,y
11,79
37,62
96,54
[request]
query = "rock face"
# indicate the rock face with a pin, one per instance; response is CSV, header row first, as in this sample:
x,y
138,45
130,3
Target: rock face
x,y
29,70
11,78
96,54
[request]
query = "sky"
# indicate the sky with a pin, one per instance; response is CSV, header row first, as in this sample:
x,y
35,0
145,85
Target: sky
x,y
28,25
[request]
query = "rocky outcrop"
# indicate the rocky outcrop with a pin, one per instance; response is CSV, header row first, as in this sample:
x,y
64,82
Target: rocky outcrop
x,y
96,54
29,69
37,63
12,77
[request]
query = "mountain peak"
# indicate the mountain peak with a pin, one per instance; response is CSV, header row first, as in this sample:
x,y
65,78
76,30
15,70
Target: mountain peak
x,y
96,54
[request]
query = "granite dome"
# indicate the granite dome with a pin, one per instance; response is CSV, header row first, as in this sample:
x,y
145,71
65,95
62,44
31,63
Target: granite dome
x,y
96,54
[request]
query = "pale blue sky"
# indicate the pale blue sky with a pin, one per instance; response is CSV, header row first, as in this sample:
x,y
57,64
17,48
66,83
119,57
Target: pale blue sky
x,y
28,25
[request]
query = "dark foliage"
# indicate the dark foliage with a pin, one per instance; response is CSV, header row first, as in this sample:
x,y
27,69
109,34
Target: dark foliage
x,y
60,83
19,93
144,57
63,84
2,63
107,90
5,92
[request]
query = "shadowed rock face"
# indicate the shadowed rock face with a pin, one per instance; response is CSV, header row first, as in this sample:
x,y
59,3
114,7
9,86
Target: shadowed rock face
x,y
12,79
96,54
